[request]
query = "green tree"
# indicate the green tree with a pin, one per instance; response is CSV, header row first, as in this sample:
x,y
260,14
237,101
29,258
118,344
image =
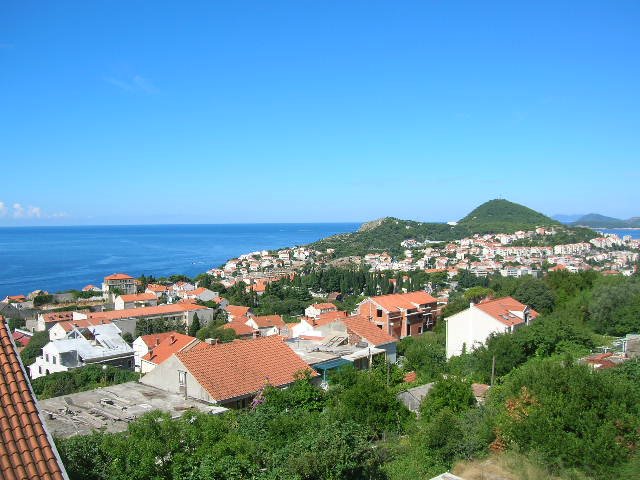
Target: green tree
x,y
195,325
450,393
34,348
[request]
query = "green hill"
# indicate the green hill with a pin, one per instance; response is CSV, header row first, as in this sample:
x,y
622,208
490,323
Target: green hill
x,y
503,216
495,216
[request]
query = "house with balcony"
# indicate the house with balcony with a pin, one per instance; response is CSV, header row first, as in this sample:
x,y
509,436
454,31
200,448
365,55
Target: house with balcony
x,y
401,314
119,284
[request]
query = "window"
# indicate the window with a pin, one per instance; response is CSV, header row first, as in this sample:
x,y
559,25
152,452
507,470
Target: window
x,y
379,313
46,357
53,359
182,378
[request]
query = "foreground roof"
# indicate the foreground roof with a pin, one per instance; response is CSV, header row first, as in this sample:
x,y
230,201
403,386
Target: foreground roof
x,y
242,367
26,449
173,343
368,330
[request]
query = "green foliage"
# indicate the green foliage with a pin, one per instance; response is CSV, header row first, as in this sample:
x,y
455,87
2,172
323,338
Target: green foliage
x,y
127,337
214,330
80,379
502,216
195,325
34,348
614,308
475,294
425,355
569,415
147,326
16,323
40,300
451,393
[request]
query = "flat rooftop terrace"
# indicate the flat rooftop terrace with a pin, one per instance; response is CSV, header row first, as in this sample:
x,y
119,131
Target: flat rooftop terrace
x,y
111,409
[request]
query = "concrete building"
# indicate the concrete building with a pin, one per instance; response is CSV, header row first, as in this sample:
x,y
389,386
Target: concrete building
x,y
118,284
317,309
135,300
401,314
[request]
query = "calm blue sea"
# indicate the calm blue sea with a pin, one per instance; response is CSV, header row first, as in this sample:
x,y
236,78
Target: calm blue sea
x,y
61,258
635,232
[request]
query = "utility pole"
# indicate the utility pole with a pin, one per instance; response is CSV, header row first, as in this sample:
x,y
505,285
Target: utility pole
x,y
493,370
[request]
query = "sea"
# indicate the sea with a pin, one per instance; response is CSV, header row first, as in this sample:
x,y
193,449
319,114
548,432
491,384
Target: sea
x,y
56,259
621,232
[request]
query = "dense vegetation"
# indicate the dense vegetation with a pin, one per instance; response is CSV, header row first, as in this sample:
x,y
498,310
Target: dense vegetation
x,y
495,216
574,423
80,379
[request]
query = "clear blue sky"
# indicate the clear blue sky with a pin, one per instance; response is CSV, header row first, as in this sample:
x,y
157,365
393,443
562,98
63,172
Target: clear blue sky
x,y
239,111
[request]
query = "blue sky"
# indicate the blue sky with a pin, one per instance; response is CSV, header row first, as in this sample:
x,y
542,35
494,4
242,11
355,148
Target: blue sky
x,y
303,111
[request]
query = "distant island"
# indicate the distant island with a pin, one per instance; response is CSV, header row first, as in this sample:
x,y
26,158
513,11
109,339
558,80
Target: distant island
x,y
595,220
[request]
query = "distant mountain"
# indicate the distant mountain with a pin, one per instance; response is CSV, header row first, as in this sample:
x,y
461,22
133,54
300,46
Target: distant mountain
x,y
595,220
566,219
503,216
386,234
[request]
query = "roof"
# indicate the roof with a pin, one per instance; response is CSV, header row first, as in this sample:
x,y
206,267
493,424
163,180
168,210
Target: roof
x,y
236,310
324,306
157,288
239,327
368,330
153,339
266,321
172,343
22,338
327,317
506,310
118,276
26,449
17,298
148,311
89,287
403,301
138,297
69,325
242,367
55,317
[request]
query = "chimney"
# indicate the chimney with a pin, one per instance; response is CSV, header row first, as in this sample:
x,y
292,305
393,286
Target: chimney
x,y
173,338
211,341
150,353
157,341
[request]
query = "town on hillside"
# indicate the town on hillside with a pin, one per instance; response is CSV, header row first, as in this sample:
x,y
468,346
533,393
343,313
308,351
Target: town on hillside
x,y
101,357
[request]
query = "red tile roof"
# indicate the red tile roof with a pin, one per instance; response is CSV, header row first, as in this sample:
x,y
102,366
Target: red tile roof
x,y
238,326
22,338
327,317
89,288
197,291
17,298
174,308
236,310
68,325
27,451
172,343
153,339
324,306
501,309
367,330
118,276
138,297
405,301
156,288
267,321
242,367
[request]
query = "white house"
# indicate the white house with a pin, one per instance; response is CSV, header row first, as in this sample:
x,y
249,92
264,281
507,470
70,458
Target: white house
x,y
200,293
135,300
317,309
470,328
100,344
267,325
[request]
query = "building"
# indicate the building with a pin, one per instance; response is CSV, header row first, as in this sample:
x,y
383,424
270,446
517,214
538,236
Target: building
x,y
101,344
143,343
46,321
200,293
401,314
60,330
266,325
135,300
119,284
27,450
228,374
173,343
317,309
241,329
236,311
315,327
157,290
365,334
470,328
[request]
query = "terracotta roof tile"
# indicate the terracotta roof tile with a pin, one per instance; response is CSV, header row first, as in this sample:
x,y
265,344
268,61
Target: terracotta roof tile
x,y
242,367
118,276
405,301
266,321
502,310
153,339
363,328
324,306
138,297
26,451
237,310
174,308
172,343
240,327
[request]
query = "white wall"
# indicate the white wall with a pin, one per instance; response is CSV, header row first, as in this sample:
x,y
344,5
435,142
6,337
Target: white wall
x,y
470,328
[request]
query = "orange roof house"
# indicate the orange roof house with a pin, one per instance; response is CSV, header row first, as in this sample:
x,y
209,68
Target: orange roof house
x,y
230,374
236,311
118,276
27,450
173,343
241,329
401,314
362,329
